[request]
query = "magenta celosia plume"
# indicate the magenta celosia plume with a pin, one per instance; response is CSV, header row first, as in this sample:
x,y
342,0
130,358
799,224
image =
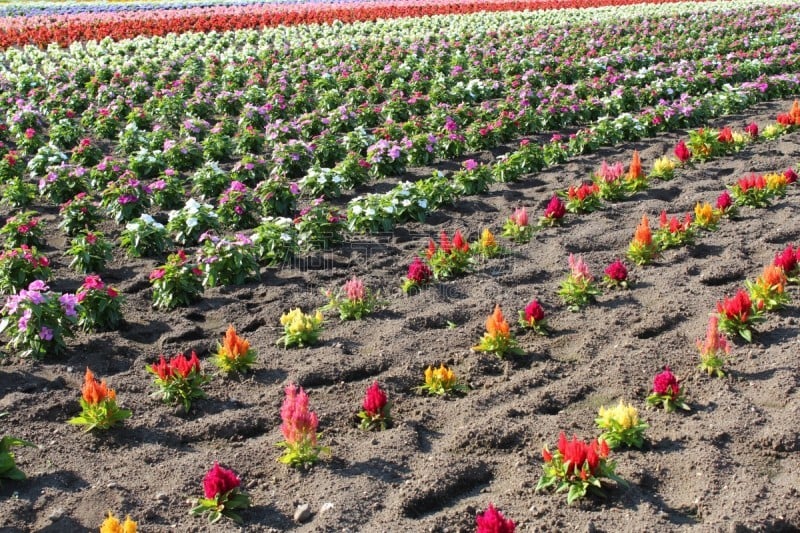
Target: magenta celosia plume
x,y
219,480
299,424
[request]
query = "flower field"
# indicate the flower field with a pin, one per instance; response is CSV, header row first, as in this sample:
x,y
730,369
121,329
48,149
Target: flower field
x,y
415,266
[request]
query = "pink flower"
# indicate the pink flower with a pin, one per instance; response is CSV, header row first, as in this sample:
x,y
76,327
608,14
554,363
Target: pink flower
x,y
519,217
534,312
610,173
470,164
682,151
578,268
724,201
419,272
556,209
219,481
354,290
493,521
299,424
751,129
30,133
790,175
617,271
93,282
157,274
666,384
374,400
715,341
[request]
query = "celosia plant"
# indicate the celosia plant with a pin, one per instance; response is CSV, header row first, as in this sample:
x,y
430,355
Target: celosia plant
x,y
725,205
450,258
498,338
375,409
300,329
583,199
179,380
419,275
577,467
787,260
737,315
714,349
752,191
487,246
706,217
682,152
533,317
769,290
223,496
234,354
777,183
492,521
354,300
621,425
98,405
615,275
673,233
517,228
112,524
642,250
667,392
440,381
663,168
8,466
635,179
299,429
579,288
609,181
553,213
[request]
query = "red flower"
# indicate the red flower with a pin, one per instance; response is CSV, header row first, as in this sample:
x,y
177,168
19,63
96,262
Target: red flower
x,y
790,175
430,251
724,201
459,243
374,400
725,135
752,129
737,308
419,272
534,312
787,259
666,384
682,152
584,459
556,209
219,481
444,243
493,521
617,271
546,455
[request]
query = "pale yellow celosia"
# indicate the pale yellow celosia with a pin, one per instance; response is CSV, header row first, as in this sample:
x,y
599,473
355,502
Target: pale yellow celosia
x,y
626,416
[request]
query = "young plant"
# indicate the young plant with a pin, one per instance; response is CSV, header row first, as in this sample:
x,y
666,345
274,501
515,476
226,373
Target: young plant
x,y
299,429
112,525
706,217
682,152
144,237
498,338
609,181
553,213
664,168
79,214
615,275
234,354
714,349
492,521
223,496
179,380
725,205
769,290
533,318
450,258
487,246
577,467
752,191
21,266
667,392
673,233
99,408
90,252
419,275
517,228
300,329
441,381
583,199
100,306
621,425
375,409
353,301
24,228
176,283
739,314
224,261
8,466
787,260
579,288
37,320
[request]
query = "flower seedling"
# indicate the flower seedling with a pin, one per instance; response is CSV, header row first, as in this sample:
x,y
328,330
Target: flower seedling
x,y
299,429
579,288
234,354
375,408
621,426
667,392
498,338
179,380
223,496
99,408
714,349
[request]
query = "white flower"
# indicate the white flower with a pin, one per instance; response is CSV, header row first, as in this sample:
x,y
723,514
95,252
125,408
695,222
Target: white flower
x,y
286,237
423,203
389,209
132,226
370,212
147,219
191,222
356,209
406,203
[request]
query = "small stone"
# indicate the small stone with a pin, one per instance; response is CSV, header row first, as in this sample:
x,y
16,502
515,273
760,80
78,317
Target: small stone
x,y
70,369
327,506
55,514
112,485
302,513
161,497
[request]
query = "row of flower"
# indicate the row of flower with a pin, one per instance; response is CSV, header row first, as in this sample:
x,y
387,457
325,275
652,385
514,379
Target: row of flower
x,y
64,29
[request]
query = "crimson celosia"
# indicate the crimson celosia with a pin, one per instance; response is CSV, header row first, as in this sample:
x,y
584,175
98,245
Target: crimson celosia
x,y
493,521
219,480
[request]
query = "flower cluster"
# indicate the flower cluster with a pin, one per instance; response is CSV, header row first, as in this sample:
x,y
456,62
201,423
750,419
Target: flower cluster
x,y
714,349
441,381
487,246
300,329
768,292
642,250
176,283
223,496
375,408
739,314
450,258
621,425
112,524
517,228
579,288
584,198
299,429
492,521
234,354
667,392
533,317
100,305
553,212
99,408
615,275
20,266
672,232
498,338
419,275
577,467
353,301
179,380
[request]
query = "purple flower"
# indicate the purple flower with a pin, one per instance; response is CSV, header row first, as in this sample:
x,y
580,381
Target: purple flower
x,y
22,325
158,185
294,188
394,152
46,333
470,164
68,302
38,285
238,186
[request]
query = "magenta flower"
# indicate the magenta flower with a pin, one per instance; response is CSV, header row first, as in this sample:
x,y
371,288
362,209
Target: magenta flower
x,y
752,129
470,164
556,208
299,424
534,312
419,272
682,152
724,201
493,521
617,271
375,400
666,384
93,282
219,481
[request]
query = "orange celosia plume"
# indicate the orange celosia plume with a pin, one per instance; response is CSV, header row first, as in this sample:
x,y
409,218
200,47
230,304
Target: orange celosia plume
x,y
643,235
496,324
635,170
794,113
233,346
95,392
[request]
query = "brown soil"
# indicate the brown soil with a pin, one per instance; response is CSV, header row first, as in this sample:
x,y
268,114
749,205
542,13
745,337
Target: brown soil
x,y
731,463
